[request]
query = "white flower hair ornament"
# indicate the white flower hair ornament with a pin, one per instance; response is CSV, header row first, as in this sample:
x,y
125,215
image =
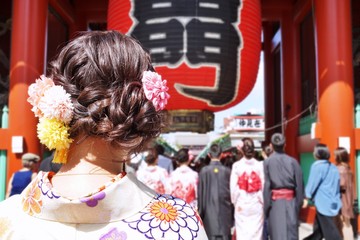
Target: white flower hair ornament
x,y
52,104
155,89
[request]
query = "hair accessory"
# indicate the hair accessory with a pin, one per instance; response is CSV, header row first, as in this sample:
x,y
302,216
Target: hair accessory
x,y
52,104
155,89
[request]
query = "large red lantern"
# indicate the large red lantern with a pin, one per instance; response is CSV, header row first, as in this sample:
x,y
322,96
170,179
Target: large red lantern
x,y
208,50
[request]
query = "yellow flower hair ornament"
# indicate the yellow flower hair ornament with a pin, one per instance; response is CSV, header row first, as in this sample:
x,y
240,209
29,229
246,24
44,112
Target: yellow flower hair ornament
x,y
52,104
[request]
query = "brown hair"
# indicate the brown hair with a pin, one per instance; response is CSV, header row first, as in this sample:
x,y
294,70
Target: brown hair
x,y
268,150
182,156
248,148
150,156
341,155
102,72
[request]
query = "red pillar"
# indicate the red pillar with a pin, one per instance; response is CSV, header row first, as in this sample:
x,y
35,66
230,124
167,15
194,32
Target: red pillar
x,y
334,72
268,79
27,63
290,80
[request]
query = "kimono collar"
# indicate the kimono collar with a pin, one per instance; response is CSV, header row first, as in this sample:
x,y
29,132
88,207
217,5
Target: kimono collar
x,y
120,198
215,163
280,151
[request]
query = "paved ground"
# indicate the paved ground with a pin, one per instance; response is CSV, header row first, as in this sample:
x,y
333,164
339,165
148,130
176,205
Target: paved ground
x,y
305,229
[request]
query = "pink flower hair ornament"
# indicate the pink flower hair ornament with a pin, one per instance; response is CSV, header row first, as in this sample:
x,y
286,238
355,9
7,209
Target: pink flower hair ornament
x,y
155,89
36,92
53,105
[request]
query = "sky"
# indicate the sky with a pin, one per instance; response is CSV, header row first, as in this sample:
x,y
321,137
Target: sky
x,y
253,103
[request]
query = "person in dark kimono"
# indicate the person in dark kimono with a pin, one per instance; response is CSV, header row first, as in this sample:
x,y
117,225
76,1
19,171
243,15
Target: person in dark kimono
x,y
214,203
283,191
47,165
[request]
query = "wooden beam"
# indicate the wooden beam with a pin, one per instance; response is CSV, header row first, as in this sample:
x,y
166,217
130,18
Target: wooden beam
x,y
302,9
65,10
273,15
277,4
96,16
91,5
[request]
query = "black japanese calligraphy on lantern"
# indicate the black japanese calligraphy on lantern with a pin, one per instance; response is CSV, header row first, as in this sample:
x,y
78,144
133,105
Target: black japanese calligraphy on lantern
x,y
169,51
198,32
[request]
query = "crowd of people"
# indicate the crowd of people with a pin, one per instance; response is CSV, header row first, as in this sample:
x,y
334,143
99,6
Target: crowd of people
x,y
240,193
104,99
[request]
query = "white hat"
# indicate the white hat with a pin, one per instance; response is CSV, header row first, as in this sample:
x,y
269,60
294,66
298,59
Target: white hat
x,y
30,157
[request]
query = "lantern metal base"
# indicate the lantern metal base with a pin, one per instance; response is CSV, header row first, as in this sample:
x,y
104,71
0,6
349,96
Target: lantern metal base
x,y
201,121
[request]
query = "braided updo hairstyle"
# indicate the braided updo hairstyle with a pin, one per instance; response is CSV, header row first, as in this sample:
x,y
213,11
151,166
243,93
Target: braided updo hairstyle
x,y
102,72
248,148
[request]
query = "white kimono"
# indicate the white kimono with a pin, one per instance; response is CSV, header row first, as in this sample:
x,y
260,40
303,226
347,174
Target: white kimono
x,y
183,182
155,177
122,209
246,185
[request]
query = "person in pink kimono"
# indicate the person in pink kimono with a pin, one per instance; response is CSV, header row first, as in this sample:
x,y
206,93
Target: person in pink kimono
x,y
152,175
246,185
184,180
347,193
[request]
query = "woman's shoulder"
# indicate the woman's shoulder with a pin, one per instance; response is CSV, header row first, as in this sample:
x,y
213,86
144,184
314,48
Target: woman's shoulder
x,y
188,170
258,162
344,168
11,217
335,168
160,217
168,217
321,164
162,171
9,204
235,164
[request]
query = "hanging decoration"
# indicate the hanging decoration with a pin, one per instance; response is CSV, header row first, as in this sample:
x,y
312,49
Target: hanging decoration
x,y
208,50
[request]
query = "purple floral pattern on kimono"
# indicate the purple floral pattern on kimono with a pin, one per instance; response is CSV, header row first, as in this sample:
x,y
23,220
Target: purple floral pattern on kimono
x,y
114,234
46,187
93,200
166,217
